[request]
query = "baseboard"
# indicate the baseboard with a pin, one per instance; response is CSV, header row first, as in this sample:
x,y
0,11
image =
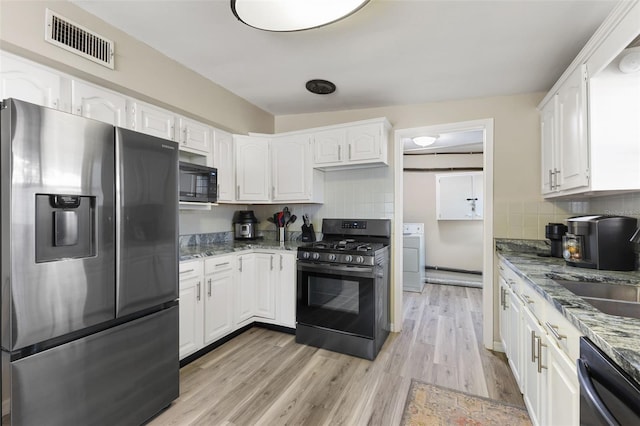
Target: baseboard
x,y
498,346
190,358
445,269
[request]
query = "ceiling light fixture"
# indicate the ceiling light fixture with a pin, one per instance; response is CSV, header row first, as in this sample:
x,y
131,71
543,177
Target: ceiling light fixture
x,y
293,15
424,140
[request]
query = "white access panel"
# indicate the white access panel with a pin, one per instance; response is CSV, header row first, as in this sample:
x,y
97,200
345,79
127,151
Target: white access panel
x,y
413,254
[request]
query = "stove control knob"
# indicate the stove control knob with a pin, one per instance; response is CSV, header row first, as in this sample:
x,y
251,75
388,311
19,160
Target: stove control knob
x,y
332,257
316,256
359,259
348,258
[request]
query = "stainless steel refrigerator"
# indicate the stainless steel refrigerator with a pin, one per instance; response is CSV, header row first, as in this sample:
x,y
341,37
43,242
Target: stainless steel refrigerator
x,y
89,311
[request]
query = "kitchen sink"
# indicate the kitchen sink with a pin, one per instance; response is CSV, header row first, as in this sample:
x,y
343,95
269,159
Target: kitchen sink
x,y
614,299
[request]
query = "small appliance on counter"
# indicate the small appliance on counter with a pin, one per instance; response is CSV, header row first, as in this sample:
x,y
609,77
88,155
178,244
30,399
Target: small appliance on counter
x,y
600,242
308,234
244,225
555,232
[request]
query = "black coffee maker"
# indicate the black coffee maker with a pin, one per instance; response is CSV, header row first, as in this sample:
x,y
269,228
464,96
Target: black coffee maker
x,y
555,232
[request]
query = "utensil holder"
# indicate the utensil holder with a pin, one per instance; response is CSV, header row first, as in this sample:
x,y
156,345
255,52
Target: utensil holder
x,y
281,234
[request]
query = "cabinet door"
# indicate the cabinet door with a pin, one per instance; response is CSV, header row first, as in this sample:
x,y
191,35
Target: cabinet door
x,y
265,285
534,368
99,104
572,134
223,161
245,288
190,308
364,142
286,290
291,168
29,82
153,121
329,147
503,303
563,390
195,136
252,168
515,348
549,145
219,298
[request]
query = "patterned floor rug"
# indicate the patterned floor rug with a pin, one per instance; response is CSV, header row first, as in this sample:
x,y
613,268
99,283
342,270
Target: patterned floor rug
x,y
433,405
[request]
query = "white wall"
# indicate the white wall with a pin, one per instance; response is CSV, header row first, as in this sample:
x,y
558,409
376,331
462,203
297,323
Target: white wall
x,y
450,244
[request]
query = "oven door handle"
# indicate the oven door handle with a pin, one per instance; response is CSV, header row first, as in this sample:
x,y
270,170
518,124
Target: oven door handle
x,y
326,268
591,395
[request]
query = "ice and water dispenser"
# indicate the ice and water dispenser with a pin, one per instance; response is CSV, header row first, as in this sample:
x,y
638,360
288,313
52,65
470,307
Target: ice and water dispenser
x,y
65,227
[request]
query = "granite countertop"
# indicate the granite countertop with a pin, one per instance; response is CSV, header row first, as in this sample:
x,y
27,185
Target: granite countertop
x,y
206,249
618,337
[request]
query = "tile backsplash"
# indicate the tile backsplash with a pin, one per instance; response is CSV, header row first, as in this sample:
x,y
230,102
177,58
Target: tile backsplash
x,y
527,219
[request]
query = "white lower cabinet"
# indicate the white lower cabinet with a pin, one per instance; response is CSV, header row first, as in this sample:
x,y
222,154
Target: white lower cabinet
x,y
286,289
542,347
221,294
218,297
191,309
265,280
245,288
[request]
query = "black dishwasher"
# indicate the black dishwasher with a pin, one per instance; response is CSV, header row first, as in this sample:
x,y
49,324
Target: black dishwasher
x,y
608,395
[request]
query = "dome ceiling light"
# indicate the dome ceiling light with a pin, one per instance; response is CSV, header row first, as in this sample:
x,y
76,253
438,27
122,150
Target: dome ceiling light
x,y
320,87
293,15
424,140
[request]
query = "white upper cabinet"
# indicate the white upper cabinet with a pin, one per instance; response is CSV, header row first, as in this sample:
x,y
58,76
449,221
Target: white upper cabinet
x,y
292,173
223,161
549,148
290,167
252,168
351,145
459,196
152,120
573,171
590,132
365,142
194,136
27,81
329,147
99,104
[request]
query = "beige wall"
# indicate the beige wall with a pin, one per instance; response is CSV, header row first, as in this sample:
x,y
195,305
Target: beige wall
x,y
519,210
140,71
451,244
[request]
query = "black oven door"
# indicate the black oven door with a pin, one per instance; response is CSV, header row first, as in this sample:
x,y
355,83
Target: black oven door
x,y
336,297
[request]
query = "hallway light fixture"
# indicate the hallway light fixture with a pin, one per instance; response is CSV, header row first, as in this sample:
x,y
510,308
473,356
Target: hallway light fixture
x,y
424,140
293,15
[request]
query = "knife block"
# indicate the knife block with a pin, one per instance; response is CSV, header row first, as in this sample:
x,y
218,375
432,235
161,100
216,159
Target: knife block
x,y
308,234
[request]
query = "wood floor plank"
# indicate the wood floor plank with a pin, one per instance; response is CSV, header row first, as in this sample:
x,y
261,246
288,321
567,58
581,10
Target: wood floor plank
x,y
262,377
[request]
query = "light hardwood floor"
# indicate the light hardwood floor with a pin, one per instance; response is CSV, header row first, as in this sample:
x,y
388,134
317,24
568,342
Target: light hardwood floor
x,y
263,377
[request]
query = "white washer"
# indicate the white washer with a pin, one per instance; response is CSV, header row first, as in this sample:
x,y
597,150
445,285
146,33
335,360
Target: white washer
x,y
413,255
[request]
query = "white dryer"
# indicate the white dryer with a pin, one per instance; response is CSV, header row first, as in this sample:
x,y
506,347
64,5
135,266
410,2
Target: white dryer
x,y
413,255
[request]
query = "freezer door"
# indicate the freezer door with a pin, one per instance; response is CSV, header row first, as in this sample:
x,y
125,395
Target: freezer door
x,y
147,221
120,376
58,233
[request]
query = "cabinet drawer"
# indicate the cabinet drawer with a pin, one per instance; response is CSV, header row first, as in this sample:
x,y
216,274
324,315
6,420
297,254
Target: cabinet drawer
x,y
218,264
562,333
508,274
533,301
190,269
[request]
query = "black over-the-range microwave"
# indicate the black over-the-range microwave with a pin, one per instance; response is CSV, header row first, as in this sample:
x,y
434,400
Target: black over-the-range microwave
x,y
198,183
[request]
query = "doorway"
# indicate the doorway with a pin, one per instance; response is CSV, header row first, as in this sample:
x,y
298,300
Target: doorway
x,y
485,126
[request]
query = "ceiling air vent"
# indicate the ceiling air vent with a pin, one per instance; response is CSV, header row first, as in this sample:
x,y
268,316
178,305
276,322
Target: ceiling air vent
x,y
77,39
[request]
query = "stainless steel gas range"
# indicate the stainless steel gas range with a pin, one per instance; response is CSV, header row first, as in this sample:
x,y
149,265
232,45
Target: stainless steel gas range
x,y
343,287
